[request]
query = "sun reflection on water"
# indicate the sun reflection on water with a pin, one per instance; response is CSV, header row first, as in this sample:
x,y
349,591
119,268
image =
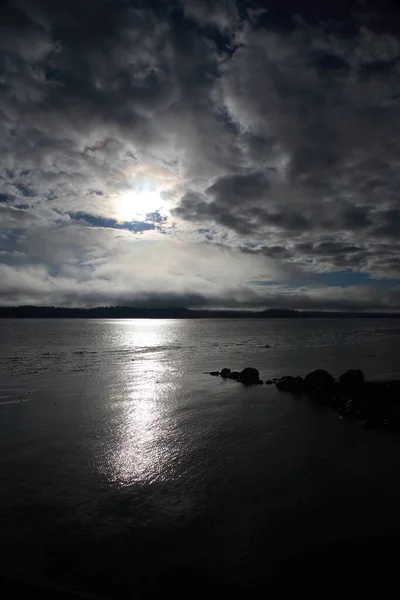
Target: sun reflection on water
x,y
140,450
137,456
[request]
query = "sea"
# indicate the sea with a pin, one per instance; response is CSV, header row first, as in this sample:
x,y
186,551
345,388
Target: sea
x,y
127,471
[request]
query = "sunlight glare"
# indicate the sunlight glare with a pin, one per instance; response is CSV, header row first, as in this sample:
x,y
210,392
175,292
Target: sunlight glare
x,y
135,205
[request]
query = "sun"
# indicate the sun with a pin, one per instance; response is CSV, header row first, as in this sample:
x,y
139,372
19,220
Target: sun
x,y
134,205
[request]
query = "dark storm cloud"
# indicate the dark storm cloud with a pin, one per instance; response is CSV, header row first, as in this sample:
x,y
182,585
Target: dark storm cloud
x,y
279,252
323,109
279,130
239,189
239,202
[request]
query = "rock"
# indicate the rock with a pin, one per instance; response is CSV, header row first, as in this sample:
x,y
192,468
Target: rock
x,y
260,382
235,375
318,394
352,377
286,384
394,421
376,403
225,373
249,376
214,373
294,385
373,423
318,379
267,346
269,382
299,383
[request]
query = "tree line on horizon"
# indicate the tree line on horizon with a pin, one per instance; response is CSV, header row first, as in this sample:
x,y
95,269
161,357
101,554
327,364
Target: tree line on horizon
x,y
127,312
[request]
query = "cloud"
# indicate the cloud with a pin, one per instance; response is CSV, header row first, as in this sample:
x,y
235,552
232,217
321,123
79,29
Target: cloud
x,y
106,266
113,285
12,218
271,138
323,118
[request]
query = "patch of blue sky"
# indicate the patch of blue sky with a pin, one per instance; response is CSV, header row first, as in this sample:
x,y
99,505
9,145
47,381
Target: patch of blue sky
x,y
104,222
332,279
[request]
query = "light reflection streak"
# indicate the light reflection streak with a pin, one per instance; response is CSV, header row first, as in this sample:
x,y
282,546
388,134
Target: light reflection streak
x,y
140,451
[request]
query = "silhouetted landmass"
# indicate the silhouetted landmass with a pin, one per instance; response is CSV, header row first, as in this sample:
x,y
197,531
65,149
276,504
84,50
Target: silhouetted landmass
x,y
127,312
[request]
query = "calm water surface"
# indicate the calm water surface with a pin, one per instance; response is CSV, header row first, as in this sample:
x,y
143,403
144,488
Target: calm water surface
x,y
122,461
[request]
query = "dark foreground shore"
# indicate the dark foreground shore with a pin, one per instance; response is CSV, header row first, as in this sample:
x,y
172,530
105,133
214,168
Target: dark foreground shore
x,y
365,566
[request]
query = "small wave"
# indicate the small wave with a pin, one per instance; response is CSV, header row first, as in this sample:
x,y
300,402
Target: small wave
x,y
16,401
149,349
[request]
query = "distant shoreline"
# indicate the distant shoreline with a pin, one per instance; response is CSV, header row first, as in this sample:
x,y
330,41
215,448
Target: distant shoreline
x,y
126,312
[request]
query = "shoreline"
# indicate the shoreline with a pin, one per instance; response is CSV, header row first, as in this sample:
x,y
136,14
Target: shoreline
x,y
180,312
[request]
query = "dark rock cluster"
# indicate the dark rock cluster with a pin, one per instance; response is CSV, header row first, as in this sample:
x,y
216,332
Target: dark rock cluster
x,y
376,403
248,376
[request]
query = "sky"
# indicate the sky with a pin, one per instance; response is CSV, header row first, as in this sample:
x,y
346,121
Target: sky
x,y
200,153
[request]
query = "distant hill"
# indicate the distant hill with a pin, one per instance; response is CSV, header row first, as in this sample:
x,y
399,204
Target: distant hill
x,y
127,312
280,313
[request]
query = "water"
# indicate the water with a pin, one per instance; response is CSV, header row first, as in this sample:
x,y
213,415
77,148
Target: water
x,y
122,462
